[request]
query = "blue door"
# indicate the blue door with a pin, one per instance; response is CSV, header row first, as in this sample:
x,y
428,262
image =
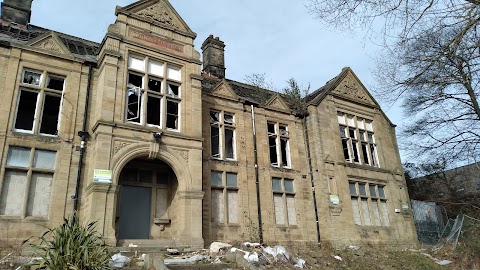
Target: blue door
x,y
134,220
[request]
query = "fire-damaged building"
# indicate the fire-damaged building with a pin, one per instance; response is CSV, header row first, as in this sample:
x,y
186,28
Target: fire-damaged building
x,y
151,140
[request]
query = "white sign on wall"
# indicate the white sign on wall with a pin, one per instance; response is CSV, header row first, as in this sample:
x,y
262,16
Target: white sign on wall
x,y
102,176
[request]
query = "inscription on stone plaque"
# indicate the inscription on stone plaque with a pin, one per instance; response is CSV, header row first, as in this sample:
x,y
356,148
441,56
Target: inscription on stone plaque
x,y
157,41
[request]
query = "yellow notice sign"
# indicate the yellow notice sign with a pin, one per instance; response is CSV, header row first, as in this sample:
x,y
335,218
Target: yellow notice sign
x,y
103,176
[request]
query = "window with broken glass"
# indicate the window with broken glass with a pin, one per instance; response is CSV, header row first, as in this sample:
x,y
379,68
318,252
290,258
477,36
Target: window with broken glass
x,y
153,93
278,144
27,182
284,201
224,192
222,135
39,103
369,204
358,140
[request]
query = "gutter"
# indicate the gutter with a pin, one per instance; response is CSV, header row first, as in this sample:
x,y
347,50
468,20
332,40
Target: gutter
x,y
83,134
305,127
259,210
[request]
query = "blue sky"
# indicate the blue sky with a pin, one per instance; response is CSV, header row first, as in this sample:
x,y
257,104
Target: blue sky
x,y
276,37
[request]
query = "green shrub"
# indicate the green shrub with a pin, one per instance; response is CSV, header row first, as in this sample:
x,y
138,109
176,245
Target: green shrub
x,y
73,246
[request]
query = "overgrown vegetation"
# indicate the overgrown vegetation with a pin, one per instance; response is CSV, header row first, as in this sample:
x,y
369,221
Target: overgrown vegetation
x,y
295,94
72,246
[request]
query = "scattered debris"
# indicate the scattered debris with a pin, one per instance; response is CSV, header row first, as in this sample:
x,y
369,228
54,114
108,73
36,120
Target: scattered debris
x,y
299,263
338,258
172,251
438,261
188,260
215,247
118,261
251,257
253,245
353,247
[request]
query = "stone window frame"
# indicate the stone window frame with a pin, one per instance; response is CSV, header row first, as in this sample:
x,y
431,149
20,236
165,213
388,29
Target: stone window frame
x,y
358,139
30,170
41,88
222,125
369,203
226,202
166,94
281,151
283,196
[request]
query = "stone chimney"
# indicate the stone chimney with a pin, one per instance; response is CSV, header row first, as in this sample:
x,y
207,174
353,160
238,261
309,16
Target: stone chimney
x,y
213,50
17,11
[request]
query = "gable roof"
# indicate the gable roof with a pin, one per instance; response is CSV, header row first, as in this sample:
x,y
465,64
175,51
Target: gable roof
x,y
159,12
80,47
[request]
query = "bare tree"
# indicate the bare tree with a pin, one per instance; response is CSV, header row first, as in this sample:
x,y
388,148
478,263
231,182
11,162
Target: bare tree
x,y
259,80
431,63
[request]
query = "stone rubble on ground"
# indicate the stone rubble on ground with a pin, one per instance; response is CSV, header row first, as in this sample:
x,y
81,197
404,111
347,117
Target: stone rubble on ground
x,y
215,247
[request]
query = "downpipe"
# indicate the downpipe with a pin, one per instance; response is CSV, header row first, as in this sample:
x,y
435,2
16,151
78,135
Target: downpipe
x,y
83,134
305,127
257,184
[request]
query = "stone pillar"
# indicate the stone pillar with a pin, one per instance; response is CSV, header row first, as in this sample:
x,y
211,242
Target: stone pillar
x,y
190,219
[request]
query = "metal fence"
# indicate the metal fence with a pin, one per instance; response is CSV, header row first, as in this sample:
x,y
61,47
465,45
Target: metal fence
x,y
429,221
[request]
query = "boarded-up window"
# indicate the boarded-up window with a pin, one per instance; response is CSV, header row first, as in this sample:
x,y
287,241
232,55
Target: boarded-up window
x,y
39,195
376,213
356,212
224,197
23,178
232,199
12,200
366,212
279,203
291,212
284,201
161,209
369,205
218,206
383,206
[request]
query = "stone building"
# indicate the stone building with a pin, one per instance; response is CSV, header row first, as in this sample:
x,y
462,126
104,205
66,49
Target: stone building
x,y
137,134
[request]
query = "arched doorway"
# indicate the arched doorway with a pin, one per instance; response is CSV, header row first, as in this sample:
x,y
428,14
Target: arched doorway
x,y
146,200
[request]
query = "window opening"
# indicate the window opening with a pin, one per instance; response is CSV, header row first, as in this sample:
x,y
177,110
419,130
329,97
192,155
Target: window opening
x,y
222,135
357,138
278,143
39,102
147,90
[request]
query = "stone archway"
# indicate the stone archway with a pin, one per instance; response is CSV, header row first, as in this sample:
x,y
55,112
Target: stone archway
x,y
187,201
147,201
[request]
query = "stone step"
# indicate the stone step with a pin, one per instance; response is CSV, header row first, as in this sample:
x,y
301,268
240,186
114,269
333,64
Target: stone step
x,y
210,266
160,243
